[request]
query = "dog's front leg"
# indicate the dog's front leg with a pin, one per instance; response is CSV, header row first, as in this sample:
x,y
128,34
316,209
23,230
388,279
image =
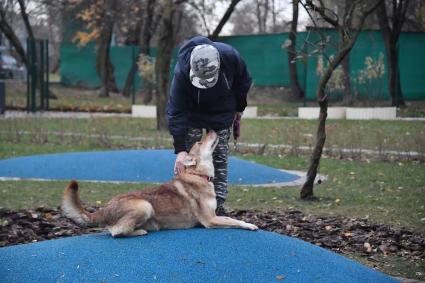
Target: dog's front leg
x,y
227,222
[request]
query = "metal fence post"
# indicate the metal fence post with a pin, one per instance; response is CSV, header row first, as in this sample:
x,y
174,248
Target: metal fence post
x,y
28,75
33,75
40,70
133,87
2,97
47,75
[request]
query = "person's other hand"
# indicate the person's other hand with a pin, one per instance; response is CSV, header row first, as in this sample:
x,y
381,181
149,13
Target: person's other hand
x,y
238,115
179,164
237,125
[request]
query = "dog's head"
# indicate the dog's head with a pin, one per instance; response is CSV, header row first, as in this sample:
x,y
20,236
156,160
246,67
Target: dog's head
x,y
199,160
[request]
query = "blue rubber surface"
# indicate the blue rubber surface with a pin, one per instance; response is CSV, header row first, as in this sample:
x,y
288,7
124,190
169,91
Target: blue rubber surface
x,y
195,255
127,165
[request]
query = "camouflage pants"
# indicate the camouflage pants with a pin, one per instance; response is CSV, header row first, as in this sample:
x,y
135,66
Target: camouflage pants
x,y
219,159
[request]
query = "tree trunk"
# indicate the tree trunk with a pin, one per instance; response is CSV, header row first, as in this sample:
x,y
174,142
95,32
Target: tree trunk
x,y
144,42
345,45
391,34
346,81
343,49
104,67
297,91
130,78
394,84
163,60
307,188
148,94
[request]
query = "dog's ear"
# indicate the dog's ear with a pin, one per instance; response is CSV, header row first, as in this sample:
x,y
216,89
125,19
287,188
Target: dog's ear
x,y
189,161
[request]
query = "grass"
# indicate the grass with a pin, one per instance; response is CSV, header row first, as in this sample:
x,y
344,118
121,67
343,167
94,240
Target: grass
x,y
270,101
70,99
384,192
379,191
113,132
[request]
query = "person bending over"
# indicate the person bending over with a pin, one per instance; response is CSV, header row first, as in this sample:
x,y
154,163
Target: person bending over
x,y
208,91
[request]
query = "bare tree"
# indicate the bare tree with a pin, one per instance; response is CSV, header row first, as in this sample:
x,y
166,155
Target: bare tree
x,y
149,21
25,18
104,67
297,91
243,20
9,33
347,37
391,28
260,16
99,17
262,8
166,42
346,78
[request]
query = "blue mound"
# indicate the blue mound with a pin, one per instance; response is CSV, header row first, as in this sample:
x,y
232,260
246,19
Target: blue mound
x,y
128,165
195,255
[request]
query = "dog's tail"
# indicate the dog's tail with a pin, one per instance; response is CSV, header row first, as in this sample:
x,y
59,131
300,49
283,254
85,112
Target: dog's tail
x,y
74,209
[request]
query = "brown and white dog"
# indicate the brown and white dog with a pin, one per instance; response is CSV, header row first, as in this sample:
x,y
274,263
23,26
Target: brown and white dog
x,y
186,201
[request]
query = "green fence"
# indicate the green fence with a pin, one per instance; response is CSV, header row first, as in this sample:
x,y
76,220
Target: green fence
x,y
268,64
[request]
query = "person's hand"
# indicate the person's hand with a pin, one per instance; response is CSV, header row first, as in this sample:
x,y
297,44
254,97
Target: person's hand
x,y
179,164
238,116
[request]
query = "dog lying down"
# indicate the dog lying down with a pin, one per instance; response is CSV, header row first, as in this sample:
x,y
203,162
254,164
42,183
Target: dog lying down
x,y
186,201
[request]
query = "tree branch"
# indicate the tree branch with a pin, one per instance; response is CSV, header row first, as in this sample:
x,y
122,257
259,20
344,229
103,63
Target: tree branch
x,y
224,19
7,30
25,19
322,12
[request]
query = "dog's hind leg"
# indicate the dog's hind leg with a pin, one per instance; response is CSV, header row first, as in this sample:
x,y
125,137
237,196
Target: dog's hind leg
x,y
130,224
123,228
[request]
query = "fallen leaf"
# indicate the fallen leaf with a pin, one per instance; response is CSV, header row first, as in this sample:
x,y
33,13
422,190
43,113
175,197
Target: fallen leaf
x,y
48,216
384,248
368,247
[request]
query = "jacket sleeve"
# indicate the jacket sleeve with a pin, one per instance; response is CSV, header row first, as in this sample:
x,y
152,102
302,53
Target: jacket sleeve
x,y
242,83
177,112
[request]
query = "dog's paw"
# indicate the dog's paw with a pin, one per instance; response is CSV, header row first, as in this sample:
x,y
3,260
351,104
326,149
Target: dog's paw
x,y
251,227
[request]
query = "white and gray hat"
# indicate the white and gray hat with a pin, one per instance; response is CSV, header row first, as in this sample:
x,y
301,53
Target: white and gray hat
x,y
204,66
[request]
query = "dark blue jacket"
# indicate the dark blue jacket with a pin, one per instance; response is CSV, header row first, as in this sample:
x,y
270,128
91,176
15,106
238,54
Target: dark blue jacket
x,y
212,108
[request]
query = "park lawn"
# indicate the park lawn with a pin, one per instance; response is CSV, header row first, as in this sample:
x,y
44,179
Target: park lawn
x,y
399,136
70,99
384,192
270,102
